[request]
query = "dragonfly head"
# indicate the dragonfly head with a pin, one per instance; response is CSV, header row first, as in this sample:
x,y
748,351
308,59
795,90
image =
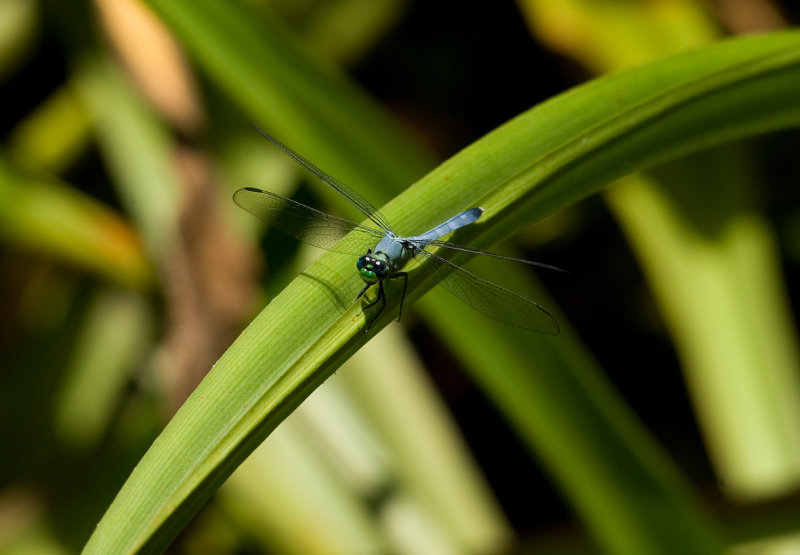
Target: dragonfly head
x,y
372,269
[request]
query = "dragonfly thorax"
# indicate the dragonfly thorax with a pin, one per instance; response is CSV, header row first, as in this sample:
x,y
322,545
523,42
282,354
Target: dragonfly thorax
x,y
372,268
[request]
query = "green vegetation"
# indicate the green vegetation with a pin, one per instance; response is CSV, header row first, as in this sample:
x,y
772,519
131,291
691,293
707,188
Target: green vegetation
x,y
130,274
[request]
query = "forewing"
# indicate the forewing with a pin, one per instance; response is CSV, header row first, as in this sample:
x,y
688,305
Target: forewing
x,y
305,223
491,300
363,205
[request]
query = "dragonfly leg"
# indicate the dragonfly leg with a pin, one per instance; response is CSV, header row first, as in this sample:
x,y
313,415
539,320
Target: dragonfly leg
x,y
403,275
363,290
380,298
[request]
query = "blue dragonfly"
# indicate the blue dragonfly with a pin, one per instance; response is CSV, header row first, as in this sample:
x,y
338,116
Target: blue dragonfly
x,y
383,254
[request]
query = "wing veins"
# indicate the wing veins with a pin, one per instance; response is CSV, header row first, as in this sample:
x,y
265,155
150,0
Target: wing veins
x,y
362,204
304,223
457,247
490,299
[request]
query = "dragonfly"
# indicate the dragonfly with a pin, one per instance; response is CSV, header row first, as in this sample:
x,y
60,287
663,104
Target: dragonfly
x,y
383,254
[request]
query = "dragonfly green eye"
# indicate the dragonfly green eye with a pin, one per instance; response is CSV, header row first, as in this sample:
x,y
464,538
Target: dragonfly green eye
x,y
368,275
371,269
366,268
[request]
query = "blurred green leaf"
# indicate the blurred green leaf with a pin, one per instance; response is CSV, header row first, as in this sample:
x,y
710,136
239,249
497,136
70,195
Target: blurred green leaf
x,y
112,341
707,252
341,30
718,282
53,136
51,218
263,70
18,26
137,149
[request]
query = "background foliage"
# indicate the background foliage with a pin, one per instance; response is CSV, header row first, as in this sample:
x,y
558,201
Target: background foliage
x,y
663,419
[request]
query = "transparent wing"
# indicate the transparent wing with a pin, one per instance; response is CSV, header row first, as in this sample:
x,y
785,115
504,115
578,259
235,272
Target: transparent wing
x,y
363,205
307,224
491,300
457,247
